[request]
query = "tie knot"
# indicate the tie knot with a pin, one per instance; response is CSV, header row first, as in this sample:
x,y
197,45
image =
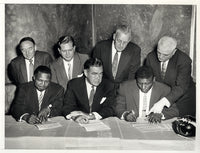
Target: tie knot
x,y
31,61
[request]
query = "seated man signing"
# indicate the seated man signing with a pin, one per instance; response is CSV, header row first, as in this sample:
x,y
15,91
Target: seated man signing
x,y
89,97
136,97
39,99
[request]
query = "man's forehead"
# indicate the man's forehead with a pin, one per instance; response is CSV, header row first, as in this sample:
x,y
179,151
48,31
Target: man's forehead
x,y
95,68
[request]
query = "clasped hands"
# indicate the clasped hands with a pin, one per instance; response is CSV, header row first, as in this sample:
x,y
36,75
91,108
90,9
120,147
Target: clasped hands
x,y
81,117
37,119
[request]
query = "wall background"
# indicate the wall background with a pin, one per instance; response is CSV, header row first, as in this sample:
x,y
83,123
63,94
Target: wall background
x,y
46,23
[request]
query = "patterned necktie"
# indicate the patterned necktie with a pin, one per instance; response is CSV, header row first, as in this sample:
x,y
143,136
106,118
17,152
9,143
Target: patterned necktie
x,y
163,70
69,71
40,98
92,92
31,69
115,65
144,107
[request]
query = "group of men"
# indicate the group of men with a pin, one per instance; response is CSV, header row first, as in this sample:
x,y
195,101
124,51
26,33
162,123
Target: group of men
x,y
109,83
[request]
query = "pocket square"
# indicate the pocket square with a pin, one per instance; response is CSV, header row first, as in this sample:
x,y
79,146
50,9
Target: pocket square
x,y
80,75
102,100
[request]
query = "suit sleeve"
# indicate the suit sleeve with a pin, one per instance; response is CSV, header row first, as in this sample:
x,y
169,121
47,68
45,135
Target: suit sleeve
x,y
172,111
135,63
12,72
182,82
120,106
69,101
19,106
57,103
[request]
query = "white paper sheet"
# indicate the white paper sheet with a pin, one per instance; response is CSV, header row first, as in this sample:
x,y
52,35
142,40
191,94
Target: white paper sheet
x,y
48,125
95,125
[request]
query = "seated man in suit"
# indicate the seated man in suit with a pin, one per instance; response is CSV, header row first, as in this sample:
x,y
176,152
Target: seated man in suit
x,y
120,57
22,67
173,68
136,97
70,64
37,100
90,96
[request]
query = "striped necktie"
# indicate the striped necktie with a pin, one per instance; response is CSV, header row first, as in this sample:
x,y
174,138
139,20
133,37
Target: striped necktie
x,y
163,70
92,92
115,64
144,107
31,69
40,98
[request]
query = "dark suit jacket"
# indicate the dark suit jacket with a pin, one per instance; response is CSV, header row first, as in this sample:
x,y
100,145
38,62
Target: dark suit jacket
x,y
58,70
26,100
177,76
128,98
76,98
128,64
17,67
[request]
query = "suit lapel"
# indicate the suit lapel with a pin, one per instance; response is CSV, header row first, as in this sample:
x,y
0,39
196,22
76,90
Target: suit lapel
x,y
76,66
23,69
135,97
124,59
61,70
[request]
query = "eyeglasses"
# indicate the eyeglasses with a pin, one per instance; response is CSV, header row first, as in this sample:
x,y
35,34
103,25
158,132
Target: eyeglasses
x,y
67,50
121,42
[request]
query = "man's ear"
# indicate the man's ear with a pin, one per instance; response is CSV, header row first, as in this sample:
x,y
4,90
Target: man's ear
x,y
33,78
85,72
114,36
74,48
154,79
35,47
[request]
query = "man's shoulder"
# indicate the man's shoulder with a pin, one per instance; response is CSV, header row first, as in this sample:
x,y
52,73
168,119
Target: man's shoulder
x,y
27,85
128,83
104,43
17,59
57,62
76,81
82,56
55,86
133,45
161,85
182,56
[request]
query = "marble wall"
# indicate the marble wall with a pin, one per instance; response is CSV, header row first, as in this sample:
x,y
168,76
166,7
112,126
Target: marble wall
x,y
46,23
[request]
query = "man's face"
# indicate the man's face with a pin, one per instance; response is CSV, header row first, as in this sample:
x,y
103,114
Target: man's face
x,y
67,51
28,49
121,40
144,84
42,81
164,54
94,75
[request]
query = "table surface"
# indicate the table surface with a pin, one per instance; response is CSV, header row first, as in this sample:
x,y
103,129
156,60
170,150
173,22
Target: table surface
x,y
122,135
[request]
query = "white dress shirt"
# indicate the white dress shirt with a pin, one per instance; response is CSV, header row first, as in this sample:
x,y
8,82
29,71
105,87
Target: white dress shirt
x,y
27,62
66,65
114,51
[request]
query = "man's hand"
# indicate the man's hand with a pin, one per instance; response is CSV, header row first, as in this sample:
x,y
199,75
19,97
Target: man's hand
x,y
81,119
157,107
154,117
31,119
43,114
130,116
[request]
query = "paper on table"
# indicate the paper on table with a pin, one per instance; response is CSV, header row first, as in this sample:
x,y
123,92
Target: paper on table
x,y
147,127
48,125
95,125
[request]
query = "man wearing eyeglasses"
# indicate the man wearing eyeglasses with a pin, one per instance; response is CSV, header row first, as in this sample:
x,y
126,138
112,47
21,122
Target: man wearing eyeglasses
x,y
173,67
120,57
70,64
21,68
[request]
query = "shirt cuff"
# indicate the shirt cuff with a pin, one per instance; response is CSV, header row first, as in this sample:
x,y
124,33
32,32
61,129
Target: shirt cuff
x,y
97,116
68,117
20,119
166,102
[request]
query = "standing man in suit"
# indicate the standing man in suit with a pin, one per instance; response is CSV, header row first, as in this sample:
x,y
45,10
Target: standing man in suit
x,y
37,100
90,96
70,64
136,97
173,67
120,57
22,67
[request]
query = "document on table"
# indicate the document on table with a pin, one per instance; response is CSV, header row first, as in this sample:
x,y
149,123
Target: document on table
x,y
48,125
147,127
95,125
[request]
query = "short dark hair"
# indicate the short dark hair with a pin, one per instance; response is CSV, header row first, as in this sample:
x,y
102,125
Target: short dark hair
x,y
144,72
27,39
42,69
65,40
92,62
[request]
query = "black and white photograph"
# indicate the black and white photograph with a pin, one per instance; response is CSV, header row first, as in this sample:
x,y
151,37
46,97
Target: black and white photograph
x,y
100,76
